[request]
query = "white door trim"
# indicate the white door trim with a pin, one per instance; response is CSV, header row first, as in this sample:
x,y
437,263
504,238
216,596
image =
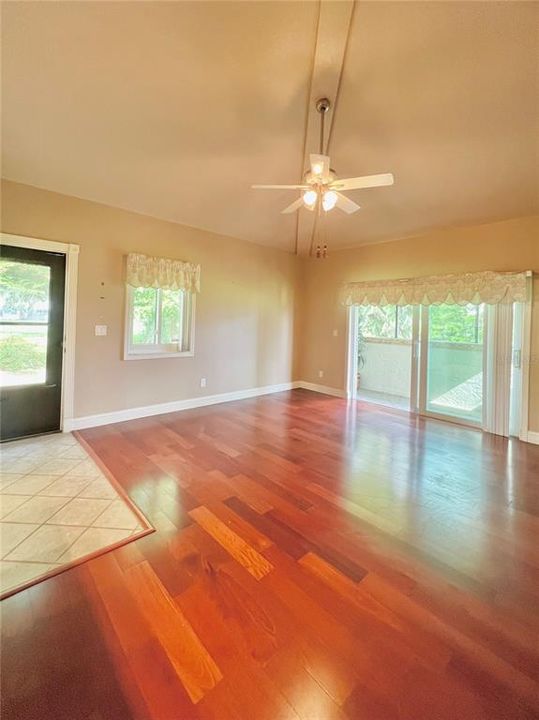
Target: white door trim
x,y
497,368
351,355
526,359
416,358
71,251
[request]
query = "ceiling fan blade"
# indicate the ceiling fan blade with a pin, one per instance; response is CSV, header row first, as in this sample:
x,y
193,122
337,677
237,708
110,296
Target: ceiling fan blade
x,y
319,165
279,187
345,204
366,181
293,206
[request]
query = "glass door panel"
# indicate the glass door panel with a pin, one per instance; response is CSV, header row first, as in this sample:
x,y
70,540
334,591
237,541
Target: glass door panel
x,y
24,313
32,284
454,361
384,355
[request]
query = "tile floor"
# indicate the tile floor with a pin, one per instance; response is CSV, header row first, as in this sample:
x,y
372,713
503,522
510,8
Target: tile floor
x,y
56,506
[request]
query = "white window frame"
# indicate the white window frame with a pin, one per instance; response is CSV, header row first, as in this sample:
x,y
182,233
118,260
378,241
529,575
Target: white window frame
x,y
184,348
395,337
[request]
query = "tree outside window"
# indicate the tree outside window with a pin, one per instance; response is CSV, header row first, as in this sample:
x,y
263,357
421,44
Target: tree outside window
x,y
388,322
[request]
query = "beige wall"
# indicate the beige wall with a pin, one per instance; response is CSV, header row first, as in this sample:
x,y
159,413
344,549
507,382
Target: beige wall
x,y
508,245
245,312
263,317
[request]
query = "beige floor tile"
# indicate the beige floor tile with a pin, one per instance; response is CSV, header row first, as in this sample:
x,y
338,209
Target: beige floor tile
x,y
17,573
74,452
66,486
8,478
62,440
46,544
10,450
30,484
42,455
11,534
21,465
11,502
93,539
51,492
117,515
57,466
80,511
86,468
37,510
100,488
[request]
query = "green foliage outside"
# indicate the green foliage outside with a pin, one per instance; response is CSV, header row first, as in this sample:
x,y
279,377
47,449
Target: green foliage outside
x,y
22,287
145,308
18,354
448,323
456,323
386,321
24,293
144,315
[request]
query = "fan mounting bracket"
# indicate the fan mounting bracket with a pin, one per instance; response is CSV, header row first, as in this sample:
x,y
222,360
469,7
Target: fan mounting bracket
x,y
323,105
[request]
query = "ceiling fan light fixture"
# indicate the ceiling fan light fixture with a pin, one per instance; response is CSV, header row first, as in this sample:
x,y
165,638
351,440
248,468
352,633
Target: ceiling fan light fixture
x,y
329,200
310,197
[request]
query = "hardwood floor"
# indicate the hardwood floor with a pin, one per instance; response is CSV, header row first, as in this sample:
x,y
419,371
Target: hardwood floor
x,y
311,560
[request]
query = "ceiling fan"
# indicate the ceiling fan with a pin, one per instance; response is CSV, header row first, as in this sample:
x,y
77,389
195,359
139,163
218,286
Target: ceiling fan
x,y
321,186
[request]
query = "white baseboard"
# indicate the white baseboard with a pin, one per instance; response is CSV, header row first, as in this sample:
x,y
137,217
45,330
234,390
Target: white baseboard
x,y
533,437
324,389
88,421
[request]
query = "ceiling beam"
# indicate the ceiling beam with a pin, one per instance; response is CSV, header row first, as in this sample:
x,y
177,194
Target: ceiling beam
x,y
331,42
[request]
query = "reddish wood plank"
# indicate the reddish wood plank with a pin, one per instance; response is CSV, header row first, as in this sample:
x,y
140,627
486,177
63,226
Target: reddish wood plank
x,y
394,561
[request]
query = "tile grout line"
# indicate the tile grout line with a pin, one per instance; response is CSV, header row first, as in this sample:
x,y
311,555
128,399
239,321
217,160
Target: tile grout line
x,y
50,458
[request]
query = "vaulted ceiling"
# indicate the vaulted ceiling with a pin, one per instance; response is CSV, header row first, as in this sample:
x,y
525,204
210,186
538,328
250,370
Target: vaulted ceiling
x,y
174,109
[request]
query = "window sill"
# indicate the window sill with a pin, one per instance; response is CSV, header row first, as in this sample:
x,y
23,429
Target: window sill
x,y
158,355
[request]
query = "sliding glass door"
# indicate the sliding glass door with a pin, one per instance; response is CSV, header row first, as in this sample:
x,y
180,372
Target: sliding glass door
x,y
452,377
464,362
384,355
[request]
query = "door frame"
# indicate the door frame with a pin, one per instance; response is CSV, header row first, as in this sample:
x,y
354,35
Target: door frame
x,y
71,252
526,358
418,363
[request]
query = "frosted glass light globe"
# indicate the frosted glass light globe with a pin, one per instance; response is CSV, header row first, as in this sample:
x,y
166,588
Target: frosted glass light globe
x,y
329,200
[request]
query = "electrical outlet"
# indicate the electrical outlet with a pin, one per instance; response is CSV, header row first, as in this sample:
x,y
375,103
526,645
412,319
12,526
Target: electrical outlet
x,y
335,332
320,373
202,382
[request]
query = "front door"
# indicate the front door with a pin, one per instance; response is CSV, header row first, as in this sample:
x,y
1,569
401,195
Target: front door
x,y
32,284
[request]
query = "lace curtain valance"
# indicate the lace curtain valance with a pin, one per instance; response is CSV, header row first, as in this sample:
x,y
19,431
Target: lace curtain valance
x,y
157,272
475,288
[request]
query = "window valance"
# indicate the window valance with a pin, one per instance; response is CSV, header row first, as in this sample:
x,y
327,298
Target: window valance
x,y
475,288
157,272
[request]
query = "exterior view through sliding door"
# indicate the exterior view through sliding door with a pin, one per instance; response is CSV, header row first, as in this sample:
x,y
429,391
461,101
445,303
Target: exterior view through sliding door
x,y
452,369
445,354
449,340
384,347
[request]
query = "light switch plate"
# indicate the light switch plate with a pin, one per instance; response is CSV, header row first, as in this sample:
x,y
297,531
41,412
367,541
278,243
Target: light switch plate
x,y
100,329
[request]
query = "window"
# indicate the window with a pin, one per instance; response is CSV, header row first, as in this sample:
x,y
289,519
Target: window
x,y
387,322
159,323
457,323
